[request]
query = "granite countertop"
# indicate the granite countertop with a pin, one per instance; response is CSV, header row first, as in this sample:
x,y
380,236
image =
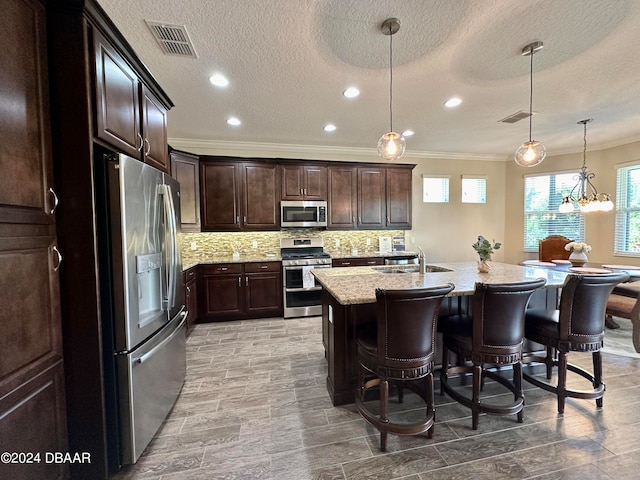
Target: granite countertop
x,y
356,285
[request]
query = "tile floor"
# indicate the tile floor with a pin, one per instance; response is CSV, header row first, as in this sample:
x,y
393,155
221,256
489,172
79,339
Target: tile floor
x,y
254,406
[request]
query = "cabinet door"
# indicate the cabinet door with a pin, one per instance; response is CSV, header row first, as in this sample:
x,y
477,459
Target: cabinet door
x,y
292,182
154,131
399,198
371,198
260,197
220,184
264,293
185,168
117,99
342,198
224,295
315,182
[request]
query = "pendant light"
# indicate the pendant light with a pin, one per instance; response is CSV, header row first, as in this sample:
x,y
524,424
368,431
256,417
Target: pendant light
x,y
590,201
391,145
530,153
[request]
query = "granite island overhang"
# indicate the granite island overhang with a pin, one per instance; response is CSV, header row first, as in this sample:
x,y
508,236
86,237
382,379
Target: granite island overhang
x,y
349,301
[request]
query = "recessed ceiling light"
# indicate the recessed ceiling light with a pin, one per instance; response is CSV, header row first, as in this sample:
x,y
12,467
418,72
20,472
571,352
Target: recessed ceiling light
x,y
233,121
330,127
351,92
408,133
219,80
453,102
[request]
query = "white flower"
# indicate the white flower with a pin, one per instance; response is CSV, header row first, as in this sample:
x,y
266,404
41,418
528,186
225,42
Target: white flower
x,y
578,247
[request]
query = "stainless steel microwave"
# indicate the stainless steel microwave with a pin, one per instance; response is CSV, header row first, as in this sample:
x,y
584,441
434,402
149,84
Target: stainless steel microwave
x,y
294,213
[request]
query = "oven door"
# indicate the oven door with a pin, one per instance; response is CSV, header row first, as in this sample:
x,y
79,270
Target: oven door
x,y
302,292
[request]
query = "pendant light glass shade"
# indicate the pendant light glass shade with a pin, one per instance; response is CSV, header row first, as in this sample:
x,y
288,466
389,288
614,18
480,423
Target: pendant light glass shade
x,y
530,153
391,145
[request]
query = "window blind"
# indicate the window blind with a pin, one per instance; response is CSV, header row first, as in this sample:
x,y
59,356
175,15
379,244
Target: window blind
x,y
435,188
627,228
542,196
474,189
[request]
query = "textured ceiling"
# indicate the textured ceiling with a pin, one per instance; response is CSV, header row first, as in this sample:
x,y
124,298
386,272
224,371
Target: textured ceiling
x,y
289,61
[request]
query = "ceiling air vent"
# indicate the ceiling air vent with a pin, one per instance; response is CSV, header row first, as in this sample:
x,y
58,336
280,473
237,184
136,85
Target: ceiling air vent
x,y
173,39
516,117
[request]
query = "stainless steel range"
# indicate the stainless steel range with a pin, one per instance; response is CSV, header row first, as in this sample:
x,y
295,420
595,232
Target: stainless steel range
x,y
302,293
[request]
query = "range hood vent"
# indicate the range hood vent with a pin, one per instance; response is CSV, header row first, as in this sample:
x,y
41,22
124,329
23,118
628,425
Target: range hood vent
x,y
173,39
516,117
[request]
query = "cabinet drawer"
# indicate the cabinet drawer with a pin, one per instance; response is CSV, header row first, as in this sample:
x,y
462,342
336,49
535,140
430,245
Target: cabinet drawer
x,y
190,274
256,267
357,262
222,268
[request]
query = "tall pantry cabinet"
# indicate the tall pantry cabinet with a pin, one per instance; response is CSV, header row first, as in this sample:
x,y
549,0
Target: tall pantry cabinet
x,y
32,401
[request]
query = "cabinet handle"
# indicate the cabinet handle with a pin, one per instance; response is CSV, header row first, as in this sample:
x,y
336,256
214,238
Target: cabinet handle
x,y
188,289
237,219
239,281
302,192
139,148
58,258
55,201
245,219
264,267
148,149
246,281
346,263
388,220
223,269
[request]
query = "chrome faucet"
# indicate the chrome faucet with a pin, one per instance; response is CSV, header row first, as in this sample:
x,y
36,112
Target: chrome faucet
x,y
421,261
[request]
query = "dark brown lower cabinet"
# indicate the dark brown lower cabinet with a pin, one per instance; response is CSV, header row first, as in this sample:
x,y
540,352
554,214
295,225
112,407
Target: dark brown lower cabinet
x,y
191,296
236,291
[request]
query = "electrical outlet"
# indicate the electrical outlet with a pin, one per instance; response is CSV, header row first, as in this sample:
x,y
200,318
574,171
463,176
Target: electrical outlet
x,y
413,239
194,246
254,244
337,242
368,242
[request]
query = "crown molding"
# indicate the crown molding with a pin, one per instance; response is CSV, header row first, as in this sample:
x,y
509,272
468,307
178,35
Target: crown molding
x,y
316,152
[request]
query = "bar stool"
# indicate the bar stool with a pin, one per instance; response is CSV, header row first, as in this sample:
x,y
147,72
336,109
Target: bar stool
x,y
491,334
399,347
577,326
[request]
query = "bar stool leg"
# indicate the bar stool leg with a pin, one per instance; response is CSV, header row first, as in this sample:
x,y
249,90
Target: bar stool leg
x,y
597,374
517,381
562,380
475,401
384,417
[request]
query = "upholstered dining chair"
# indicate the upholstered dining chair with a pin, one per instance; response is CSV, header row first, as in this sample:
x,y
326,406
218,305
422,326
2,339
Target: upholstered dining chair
x,y
552,248
577,326
399,348
491,334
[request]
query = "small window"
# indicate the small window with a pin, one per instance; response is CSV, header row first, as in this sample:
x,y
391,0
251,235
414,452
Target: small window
x,y
627,231
474,189
435,188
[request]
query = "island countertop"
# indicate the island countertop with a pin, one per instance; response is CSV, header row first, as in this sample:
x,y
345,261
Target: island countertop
x,y
357,285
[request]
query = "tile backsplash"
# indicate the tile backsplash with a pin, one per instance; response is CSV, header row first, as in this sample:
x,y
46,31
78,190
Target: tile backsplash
x,y
252,243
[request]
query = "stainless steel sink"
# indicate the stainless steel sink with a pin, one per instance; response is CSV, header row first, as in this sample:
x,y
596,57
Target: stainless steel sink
x,y
412,269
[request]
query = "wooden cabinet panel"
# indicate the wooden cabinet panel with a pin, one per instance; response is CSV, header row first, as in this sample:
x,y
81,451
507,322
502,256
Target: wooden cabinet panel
x,y
185,168
25,149
117,99
260,197
224,295
220,184
399,198
342,199
191,297
357,262
371,198
264,293
303,182
154,129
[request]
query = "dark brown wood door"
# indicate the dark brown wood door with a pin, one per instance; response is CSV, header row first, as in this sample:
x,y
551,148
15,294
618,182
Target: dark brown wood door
x,y
292,182
315,182
185,168
399,198
154,131
342,199
371,198
220,191
260,197
264,293
224,295
117,100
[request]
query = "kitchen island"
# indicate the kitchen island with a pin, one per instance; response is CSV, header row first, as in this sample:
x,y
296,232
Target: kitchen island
x,y
349,301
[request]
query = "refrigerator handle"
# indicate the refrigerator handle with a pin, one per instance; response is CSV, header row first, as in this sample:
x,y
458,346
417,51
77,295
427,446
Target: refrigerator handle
x,y
151,353
172,238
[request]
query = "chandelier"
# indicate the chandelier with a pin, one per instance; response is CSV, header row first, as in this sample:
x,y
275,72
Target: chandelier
x,y
588,200
391,145
530,153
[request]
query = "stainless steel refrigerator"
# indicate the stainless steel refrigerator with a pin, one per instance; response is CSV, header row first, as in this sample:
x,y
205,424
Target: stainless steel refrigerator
x,y
144,330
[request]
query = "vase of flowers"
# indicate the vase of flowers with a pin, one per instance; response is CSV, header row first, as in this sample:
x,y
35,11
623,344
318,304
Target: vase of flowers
x,y
579,252
485,249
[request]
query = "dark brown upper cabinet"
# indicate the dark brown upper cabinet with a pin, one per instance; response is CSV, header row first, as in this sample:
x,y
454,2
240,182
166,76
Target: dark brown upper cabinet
x,y
185,168
129,117
303,182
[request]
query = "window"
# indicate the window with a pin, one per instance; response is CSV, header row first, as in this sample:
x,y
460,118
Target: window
x,y
435,188
542,196
474,189
627,232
